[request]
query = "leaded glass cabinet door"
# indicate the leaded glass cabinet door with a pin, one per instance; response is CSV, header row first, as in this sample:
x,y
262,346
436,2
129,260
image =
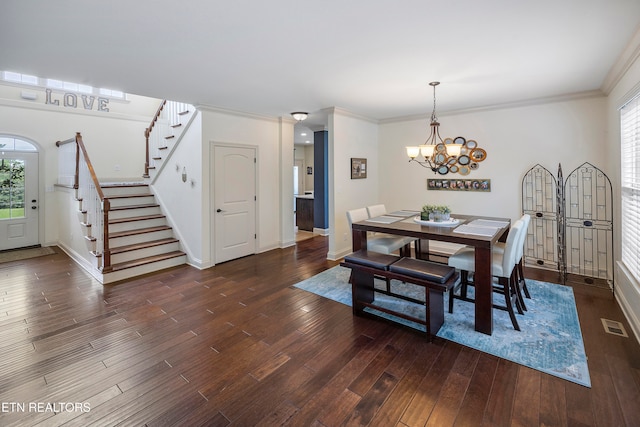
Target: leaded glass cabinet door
x,y
539,200
589,223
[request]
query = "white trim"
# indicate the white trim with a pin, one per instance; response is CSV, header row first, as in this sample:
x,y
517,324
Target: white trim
x,y
347,113
625,304
236,113
506,105
321,231
626,59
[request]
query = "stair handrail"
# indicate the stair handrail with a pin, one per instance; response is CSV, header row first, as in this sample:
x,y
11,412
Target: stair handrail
x,y
105,205
147,134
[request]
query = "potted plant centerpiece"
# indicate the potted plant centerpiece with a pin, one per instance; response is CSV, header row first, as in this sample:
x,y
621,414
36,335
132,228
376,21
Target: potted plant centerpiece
x,y
436,213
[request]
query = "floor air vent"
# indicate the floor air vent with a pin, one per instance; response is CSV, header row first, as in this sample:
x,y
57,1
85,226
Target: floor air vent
x,y
614,328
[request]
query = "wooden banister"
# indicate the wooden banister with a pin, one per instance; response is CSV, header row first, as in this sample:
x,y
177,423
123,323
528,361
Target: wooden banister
x,y
94,178
105,205
147,134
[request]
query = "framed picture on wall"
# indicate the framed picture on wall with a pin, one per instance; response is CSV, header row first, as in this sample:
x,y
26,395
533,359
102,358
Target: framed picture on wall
x,y
358,168
482,185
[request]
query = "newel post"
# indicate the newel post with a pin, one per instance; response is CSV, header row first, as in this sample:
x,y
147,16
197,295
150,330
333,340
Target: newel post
x,y
147,132
106,252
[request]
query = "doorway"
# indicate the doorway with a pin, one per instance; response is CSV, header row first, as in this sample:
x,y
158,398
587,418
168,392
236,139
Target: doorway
x,y
234,202
19,217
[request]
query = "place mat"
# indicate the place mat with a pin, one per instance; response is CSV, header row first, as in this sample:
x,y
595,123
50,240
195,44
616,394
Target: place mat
x,y
404,214
475,230
489,223
384,219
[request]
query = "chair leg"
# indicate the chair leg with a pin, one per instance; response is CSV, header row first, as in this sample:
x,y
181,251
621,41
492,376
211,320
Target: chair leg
x,y
522,279
506,286
515,280
464,283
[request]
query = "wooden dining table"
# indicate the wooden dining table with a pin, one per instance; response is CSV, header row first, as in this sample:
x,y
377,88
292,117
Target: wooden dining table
x,y
406,223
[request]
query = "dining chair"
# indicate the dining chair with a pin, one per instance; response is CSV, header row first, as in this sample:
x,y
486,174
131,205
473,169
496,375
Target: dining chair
x,y
379,210
379,242
502,267
519,272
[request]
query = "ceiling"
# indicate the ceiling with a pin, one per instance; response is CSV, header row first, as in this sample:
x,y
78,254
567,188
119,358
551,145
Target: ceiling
x,y
374,58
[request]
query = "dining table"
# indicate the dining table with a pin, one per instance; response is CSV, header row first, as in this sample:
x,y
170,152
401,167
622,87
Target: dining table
x,y
479,232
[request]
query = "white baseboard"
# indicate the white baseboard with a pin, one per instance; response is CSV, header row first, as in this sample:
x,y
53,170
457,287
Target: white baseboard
x,y
627,293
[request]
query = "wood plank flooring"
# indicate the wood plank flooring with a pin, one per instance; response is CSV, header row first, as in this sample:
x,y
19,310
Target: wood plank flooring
x,y
236,344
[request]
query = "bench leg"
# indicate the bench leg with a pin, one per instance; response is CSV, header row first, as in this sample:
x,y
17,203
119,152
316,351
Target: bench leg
x,y
361,289
435,311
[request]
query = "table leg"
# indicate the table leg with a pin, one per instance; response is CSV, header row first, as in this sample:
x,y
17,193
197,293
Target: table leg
x,y
484,290
358,240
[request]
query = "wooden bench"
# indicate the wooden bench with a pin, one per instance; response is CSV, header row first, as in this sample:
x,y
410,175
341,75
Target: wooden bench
x,y
435,278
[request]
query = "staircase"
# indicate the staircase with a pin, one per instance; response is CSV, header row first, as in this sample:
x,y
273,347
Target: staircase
x,y
140,240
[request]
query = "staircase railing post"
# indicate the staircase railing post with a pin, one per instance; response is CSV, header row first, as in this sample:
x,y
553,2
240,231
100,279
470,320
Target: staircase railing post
x,y
106,252
147,132
76,178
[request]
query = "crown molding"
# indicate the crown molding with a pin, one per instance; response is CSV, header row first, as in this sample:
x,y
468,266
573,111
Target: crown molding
x,y
243,114
348,113
516,104
626,59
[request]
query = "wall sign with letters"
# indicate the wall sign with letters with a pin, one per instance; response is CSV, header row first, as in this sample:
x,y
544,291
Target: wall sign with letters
x,y
70,100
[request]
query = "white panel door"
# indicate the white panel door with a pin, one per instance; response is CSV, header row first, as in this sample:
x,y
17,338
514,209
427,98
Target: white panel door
x,y
18,200
234,198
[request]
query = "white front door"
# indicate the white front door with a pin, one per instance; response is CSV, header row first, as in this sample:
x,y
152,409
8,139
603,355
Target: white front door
x,y
234,207
18,200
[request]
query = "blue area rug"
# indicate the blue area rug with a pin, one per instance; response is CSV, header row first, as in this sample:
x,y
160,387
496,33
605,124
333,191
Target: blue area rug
x,y
550,340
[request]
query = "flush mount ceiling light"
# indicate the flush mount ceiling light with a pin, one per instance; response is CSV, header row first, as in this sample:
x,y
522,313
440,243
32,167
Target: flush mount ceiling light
x,y
455,155
299,115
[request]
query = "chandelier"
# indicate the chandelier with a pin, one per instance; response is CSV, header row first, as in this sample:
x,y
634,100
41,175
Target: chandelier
x,y
455,155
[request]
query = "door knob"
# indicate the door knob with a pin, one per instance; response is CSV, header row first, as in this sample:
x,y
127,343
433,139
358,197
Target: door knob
x,y
34,207
219,210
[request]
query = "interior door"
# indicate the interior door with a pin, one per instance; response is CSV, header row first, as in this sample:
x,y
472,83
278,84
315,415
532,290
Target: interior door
x,y
234,198
18,200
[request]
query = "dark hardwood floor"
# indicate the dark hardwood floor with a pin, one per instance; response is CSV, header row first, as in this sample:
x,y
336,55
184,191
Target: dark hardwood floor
x,y
237,345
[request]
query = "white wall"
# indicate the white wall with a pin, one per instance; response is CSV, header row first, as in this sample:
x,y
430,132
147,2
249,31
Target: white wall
x,y
627,288
114,140
273,139
350,136
308,162
567,132
182,201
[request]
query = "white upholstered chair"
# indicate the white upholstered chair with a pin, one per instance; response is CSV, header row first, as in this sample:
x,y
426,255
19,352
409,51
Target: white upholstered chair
x,y
502,268
378,242
379,210
519,268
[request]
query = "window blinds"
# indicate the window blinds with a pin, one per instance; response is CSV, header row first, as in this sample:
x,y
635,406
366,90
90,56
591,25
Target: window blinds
x,y
630,169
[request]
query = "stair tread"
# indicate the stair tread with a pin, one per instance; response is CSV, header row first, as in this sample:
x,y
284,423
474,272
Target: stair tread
x,y
143,206
149,244
138,231
145,260
111,185
128,196
135,218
